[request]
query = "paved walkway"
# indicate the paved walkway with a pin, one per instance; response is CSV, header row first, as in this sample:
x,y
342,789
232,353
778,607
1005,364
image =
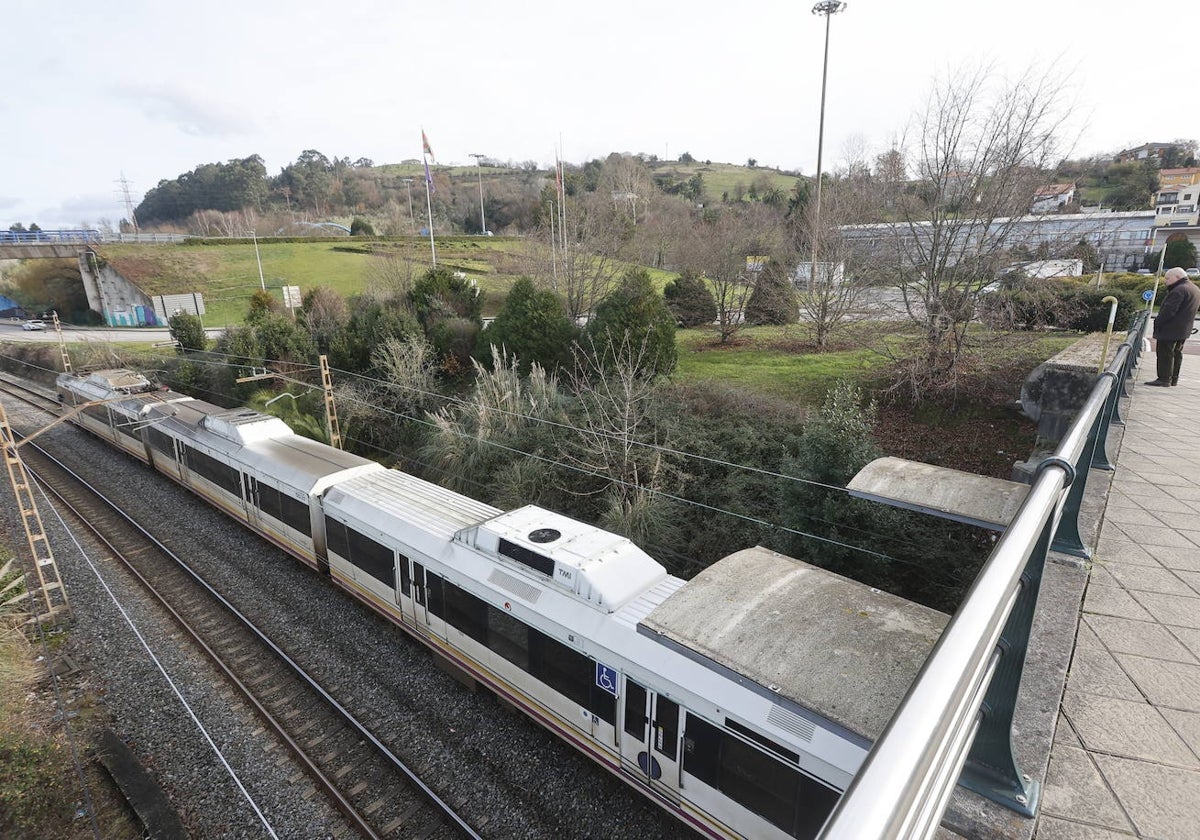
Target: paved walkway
x,y
1126,754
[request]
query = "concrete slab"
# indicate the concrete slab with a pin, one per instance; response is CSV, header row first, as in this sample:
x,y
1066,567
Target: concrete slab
x,y
1094,670
1076,791
861,648
1130,729
1166,684
1163,802
1052,828
1181,610
1144,638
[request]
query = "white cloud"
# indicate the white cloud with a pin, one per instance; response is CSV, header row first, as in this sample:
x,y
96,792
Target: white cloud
x,y
190,111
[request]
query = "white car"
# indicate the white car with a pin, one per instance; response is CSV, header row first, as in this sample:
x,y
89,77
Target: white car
x,y
34,325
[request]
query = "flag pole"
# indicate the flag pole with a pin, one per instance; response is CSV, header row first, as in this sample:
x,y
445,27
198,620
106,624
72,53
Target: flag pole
x,y
426,153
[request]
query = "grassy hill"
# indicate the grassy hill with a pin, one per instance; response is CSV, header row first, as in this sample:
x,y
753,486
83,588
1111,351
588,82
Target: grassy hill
x,y
228,274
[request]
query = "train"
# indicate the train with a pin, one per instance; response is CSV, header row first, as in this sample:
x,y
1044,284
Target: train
x,y
734,700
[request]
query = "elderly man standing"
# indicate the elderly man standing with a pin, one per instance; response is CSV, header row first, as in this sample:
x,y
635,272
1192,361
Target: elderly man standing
x,y
1173,325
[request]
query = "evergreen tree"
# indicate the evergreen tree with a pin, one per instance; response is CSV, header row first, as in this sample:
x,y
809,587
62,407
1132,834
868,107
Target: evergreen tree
x,y
690,300
187,329
533,326
634,313
773,300
1181,253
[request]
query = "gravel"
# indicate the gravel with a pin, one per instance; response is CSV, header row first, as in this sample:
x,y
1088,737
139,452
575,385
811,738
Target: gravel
x,y
470,748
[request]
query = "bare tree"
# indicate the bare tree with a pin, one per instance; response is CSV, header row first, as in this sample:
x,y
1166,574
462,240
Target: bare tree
x,y
717,248
612,433
583,265
979,151
392,276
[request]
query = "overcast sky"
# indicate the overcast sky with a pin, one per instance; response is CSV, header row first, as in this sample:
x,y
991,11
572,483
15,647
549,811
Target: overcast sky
x,y
153,89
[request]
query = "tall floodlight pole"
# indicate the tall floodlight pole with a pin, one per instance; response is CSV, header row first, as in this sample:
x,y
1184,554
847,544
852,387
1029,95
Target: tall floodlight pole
x,y
829,8
479,170
258,259
412,220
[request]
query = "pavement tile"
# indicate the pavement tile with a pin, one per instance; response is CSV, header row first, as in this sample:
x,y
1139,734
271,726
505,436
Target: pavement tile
x,y
1192,579
1190,638
1136,517
1122,551
1052,828
1122,635
1187,724
1125,728
1113,600
1165,478
1150,579
1163,802
1064,734
1161,536
1183,610
1099,575
1075,790
1181,520
1172,684
1095,671
1176,558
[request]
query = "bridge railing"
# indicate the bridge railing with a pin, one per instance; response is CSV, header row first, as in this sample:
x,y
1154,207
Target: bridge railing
x,y
48,237
955,724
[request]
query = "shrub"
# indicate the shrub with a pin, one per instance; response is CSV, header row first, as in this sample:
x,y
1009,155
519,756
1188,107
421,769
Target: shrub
x,y
690,300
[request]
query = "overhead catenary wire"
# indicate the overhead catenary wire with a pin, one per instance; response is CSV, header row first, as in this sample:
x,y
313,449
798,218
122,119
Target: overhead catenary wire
x,y
300,368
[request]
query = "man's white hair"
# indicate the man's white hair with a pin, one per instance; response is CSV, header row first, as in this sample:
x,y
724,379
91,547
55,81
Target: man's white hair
x,y
1174,274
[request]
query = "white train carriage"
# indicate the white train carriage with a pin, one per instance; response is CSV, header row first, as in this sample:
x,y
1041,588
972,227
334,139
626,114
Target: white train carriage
x,y
248,464
118,397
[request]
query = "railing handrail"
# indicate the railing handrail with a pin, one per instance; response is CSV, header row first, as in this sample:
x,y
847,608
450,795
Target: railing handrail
x,y
905,784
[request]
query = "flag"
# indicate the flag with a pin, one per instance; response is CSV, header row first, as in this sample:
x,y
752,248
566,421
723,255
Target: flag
x,y
425,144
429,177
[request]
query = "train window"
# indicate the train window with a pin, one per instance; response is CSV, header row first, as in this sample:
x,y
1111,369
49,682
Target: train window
x,y
567,672
466,612
295,514
434,597
268,501
526,557
757,780
161,441
405,576
335,538
781,751
508,637
601,703
701,749
376,560
210,469
635,709
666,726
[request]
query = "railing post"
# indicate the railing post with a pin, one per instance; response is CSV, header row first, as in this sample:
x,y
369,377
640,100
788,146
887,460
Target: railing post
x,y
1067,538
1100,428
991,769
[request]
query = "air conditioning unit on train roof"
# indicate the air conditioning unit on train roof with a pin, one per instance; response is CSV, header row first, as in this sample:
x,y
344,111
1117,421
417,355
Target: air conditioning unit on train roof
x,y
245,425
603,569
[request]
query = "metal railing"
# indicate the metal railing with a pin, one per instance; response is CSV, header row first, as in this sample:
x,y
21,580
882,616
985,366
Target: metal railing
x,y
955,723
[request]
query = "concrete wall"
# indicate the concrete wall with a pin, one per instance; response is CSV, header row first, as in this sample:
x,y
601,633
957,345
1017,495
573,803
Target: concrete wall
x,y
121,303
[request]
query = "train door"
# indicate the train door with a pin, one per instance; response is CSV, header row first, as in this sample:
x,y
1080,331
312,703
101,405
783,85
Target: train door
x,y
251,502
650,739
426,599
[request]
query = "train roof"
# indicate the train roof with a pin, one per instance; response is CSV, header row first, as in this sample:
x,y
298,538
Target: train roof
x,y
255,440
846,651
417,512
598,567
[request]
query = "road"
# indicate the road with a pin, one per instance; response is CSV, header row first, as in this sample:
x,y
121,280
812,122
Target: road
x,y
12,331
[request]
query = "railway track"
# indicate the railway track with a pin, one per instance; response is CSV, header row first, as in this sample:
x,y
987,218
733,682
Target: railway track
x,y
380,796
